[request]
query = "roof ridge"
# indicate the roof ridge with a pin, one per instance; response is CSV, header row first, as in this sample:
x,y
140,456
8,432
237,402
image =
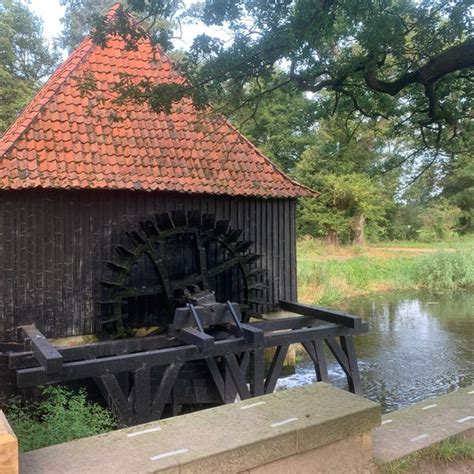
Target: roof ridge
x,y
44,95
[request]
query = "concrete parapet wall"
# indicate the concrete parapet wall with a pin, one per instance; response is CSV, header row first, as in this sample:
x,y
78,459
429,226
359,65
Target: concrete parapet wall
x,y
8,448
406,431
316,428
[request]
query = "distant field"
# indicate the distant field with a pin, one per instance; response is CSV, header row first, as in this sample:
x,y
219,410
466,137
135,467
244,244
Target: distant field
x,y
328,275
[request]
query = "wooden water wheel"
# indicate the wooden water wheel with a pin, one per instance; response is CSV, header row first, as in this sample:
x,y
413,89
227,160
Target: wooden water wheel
x,y
168,260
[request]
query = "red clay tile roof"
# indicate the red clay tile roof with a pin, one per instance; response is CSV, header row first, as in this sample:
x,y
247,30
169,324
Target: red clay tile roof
x,y
59,141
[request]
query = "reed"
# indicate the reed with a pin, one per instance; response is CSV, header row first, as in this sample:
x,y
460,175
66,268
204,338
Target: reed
x,y
327,275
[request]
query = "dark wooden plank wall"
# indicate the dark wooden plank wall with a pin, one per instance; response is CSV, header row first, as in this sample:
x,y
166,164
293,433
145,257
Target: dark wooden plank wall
x,y
53,243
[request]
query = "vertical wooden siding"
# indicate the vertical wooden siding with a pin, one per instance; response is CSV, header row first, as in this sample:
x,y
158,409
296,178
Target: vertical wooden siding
x,y
53,243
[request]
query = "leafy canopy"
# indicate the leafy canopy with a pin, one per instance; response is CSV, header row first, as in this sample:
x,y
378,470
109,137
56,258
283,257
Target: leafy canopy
x,y
408,61
343,163
25,59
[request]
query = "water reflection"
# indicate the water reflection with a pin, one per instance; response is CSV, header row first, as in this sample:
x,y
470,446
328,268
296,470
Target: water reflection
x,y
420,345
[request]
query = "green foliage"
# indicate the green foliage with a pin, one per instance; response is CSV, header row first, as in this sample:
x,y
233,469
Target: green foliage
x,y
404,61
83,17
338,279
61,417
342,164
78,19
439,221
328,282
25,59
446,270
458,189
280,123
342,199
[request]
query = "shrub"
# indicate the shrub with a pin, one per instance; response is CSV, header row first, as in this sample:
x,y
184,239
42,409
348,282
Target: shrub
x,y
62,416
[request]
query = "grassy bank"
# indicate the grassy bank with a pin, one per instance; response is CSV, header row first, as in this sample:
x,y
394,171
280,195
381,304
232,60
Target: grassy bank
x,y
448,456
329,275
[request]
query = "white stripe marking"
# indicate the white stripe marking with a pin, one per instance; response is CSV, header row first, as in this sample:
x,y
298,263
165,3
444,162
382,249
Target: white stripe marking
x,y
428,407
168,454
471,392
419,438
284,422
252,405
384,422
466,418
138,433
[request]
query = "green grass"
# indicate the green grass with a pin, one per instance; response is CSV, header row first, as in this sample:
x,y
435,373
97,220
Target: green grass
x,y
453,450
455,242
446,271
327,278
62,416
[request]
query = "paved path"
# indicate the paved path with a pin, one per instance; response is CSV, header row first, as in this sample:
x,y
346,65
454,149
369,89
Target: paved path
x,y
406,431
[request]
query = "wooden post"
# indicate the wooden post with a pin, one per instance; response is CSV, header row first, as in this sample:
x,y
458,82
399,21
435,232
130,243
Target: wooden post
x,y
8,448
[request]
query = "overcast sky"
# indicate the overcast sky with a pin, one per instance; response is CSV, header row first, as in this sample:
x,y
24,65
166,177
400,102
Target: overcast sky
x,y
50,11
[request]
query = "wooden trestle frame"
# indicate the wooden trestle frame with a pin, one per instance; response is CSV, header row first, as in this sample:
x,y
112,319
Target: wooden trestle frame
x,y
235,363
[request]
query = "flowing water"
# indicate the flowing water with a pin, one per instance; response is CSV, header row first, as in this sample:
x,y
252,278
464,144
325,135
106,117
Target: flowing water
x,y
419,345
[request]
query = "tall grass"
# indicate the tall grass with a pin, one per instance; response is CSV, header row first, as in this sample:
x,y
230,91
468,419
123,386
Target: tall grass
x,y
331,280
446,271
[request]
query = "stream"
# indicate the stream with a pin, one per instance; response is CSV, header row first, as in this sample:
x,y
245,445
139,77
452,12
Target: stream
x,y
419,345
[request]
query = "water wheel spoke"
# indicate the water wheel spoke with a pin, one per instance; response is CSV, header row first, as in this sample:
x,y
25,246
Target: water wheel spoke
x,y
116,267
222,267
164,222
242,246
208,221
136,292
136,239
222,227
149,228
233,235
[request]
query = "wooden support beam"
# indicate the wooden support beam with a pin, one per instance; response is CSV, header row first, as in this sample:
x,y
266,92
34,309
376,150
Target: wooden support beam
x,y
217,377
347,344
115,398
151,358
321,368
24,360
252,334
257,380
329,315
284,323
237,373
316,354
164,390
201,340
304,334
346,356
275,368
141,398
45,353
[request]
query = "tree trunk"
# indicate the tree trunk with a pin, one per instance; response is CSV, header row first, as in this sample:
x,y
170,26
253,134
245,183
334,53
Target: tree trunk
x,y
358,229
332,238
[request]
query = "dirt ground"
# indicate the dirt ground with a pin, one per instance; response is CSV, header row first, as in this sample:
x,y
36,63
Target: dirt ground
x,y
347,252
